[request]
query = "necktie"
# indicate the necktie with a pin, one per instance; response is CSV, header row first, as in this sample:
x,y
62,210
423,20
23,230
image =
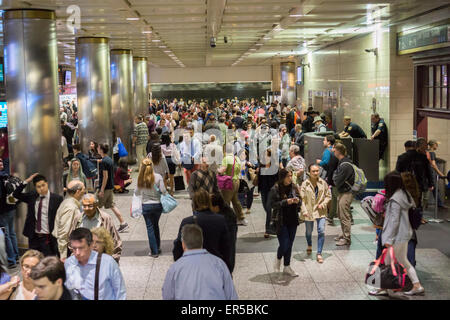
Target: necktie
x,y
39,217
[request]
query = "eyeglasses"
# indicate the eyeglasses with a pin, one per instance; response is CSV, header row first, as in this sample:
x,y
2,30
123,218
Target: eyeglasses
x,y
89,206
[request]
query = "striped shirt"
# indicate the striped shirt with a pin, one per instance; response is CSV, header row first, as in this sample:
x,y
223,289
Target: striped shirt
x,y
141,132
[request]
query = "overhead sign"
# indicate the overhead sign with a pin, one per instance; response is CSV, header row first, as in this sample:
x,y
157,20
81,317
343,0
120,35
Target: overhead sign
x,y
428,38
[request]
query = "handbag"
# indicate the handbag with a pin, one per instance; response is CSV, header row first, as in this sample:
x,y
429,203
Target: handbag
x,y
136,206
167,201
415,217
225,182
178,180
392,276
121,149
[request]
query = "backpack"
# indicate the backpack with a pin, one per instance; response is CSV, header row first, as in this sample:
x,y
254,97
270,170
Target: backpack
x,y
89,169
11,184
360,183
375,217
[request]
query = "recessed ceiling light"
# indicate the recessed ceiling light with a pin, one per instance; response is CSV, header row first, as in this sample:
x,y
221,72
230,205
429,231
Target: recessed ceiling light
x,y
147,31
132,19
295,15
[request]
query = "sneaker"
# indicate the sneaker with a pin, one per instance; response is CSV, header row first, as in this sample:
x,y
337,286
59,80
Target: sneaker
x,y
378,292
123,227
242,222
339,237
416,292
277,265
288,270
343,242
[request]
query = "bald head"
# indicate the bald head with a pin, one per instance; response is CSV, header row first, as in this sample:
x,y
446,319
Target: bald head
x,y
76,189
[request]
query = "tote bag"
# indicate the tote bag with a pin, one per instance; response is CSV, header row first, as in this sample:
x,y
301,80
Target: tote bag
x,y
167,201
121,148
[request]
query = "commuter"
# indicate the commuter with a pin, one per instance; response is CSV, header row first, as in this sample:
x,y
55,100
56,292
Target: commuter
x,y
67,132
352,129
231,166
379,131
105,192
92,217
7,220
296,165
219,206
93,154
299,139
140,138
76,172
217,238
81,270
65,215
159,162
397,230
431,155
122,178
308,123
42,206
238,120
328,142
285,143
48,278
169,150
151,124
198,274
154,139
246,183
284,201
4,150
25,289
213,152
203,178
344,178
223,129
150,186
102,241
315,196
190,150
332,166
416,163
318,125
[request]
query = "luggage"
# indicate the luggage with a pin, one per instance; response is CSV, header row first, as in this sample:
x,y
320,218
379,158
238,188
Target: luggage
x,y
360,183
392,276
375,217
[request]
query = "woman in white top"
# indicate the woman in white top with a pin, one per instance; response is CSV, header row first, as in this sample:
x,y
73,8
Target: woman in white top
x,y
170,152
24,291
150,186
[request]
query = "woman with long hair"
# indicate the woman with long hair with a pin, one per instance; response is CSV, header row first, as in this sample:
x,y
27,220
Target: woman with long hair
x,y
169,150
76,172
159,162
397,230
284,201
154,138
102,241
150,186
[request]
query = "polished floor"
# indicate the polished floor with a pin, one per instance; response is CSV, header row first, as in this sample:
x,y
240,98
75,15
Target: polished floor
x,y
341,276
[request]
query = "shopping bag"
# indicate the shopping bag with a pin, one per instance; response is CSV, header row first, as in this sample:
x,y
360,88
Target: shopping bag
x,y
136,206
178,180
121,148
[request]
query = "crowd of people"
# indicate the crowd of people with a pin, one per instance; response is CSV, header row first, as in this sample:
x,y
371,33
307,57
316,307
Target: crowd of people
x,y
225,152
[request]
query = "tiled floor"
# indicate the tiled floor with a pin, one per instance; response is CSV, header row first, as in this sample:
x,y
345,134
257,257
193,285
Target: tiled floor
x,y
341,276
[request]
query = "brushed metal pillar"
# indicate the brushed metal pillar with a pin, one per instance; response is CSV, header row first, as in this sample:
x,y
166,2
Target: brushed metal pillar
x,y
122,96
140,82
93,91
31,73
288,91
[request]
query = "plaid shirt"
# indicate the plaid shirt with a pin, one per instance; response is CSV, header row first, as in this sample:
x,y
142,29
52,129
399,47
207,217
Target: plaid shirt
x,y
201,179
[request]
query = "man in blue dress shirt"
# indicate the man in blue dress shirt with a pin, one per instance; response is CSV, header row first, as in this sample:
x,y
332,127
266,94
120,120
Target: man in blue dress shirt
x,y
197,275
80,269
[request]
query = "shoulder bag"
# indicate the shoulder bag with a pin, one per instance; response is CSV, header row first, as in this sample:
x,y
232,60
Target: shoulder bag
x,y
167,201
225,182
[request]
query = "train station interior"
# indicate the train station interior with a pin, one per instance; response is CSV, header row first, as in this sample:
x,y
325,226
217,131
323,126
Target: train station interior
x,y
345,59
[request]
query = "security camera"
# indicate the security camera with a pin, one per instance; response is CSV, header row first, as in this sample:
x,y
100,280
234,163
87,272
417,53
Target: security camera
x,y
373,50
212,42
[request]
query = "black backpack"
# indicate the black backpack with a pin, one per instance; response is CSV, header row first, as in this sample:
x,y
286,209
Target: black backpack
x,y
11,183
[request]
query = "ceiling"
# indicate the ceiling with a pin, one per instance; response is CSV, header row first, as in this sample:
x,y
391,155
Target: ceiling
x,y
177,33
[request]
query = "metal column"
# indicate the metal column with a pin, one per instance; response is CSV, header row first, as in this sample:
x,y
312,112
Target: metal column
x,y
122,96
288,90
140,83
31,73
93,91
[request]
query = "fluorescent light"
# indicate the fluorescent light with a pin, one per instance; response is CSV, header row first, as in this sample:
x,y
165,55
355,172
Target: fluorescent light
x,y
167,51
266,38
252,49
132,19
147,31
259,44
162,47
295,15
156,40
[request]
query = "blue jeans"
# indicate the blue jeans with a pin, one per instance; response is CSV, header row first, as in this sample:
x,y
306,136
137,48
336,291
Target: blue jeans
x,y
320,231
152,213
7,221
264,199
286,239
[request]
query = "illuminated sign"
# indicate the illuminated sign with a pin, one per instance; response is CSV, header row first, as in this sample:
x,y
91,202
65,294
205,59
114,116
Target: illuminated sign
x,y
3,115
